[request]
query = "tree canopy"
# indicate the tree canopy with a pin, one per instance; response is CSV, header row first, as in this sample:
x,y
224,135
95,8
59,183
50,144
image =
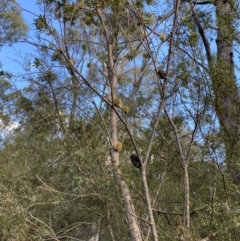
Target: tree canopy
x,y
12,25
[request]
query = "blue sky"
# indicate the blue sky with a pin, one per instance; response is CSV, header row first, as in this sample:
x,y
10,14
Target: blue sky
x,y
10,55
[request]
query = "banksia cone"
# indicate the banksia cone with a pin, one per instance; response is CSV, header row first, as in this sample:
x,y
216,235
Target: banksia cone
x,y
118,146
118,102
162,36
125,109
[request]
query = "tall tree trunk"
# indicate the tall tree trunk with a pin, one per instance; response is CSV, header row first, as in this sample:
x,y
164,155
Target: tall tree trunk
x,y
149,205
132,221
187,198
121,184
224,82
225,86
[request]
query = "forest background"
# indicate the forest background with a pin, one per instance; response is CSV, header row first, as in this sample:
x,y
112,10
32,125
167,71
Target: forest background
x,y
120,120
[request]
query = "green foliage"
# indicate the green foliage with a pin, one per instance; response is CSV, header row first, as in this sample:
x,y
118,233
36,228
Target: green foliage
x,y
148,18
151,2
5,73
40,23
12,25
36,63
193,39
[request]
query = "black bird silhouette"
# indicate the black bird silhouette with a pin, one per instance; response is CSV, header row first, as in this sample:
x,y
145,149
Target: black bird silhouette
x,y
162,74
135,160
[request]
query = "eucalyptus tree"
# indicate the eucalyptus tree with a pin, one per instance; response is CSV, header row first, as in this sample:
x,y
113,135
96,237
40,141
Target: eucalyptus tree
x,y
212,26
222,67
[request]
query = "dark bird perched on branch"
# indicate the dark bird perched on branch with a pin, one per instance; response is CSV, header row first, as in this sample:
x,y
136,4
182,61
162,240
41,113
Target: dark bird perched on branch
x,y
162,74
135,161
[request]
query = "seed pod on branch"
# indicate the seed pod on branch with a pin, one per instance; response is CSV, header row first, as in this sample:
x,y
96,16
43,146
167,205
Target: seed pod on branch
x,y
118,146
163,37
125,109
117,102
